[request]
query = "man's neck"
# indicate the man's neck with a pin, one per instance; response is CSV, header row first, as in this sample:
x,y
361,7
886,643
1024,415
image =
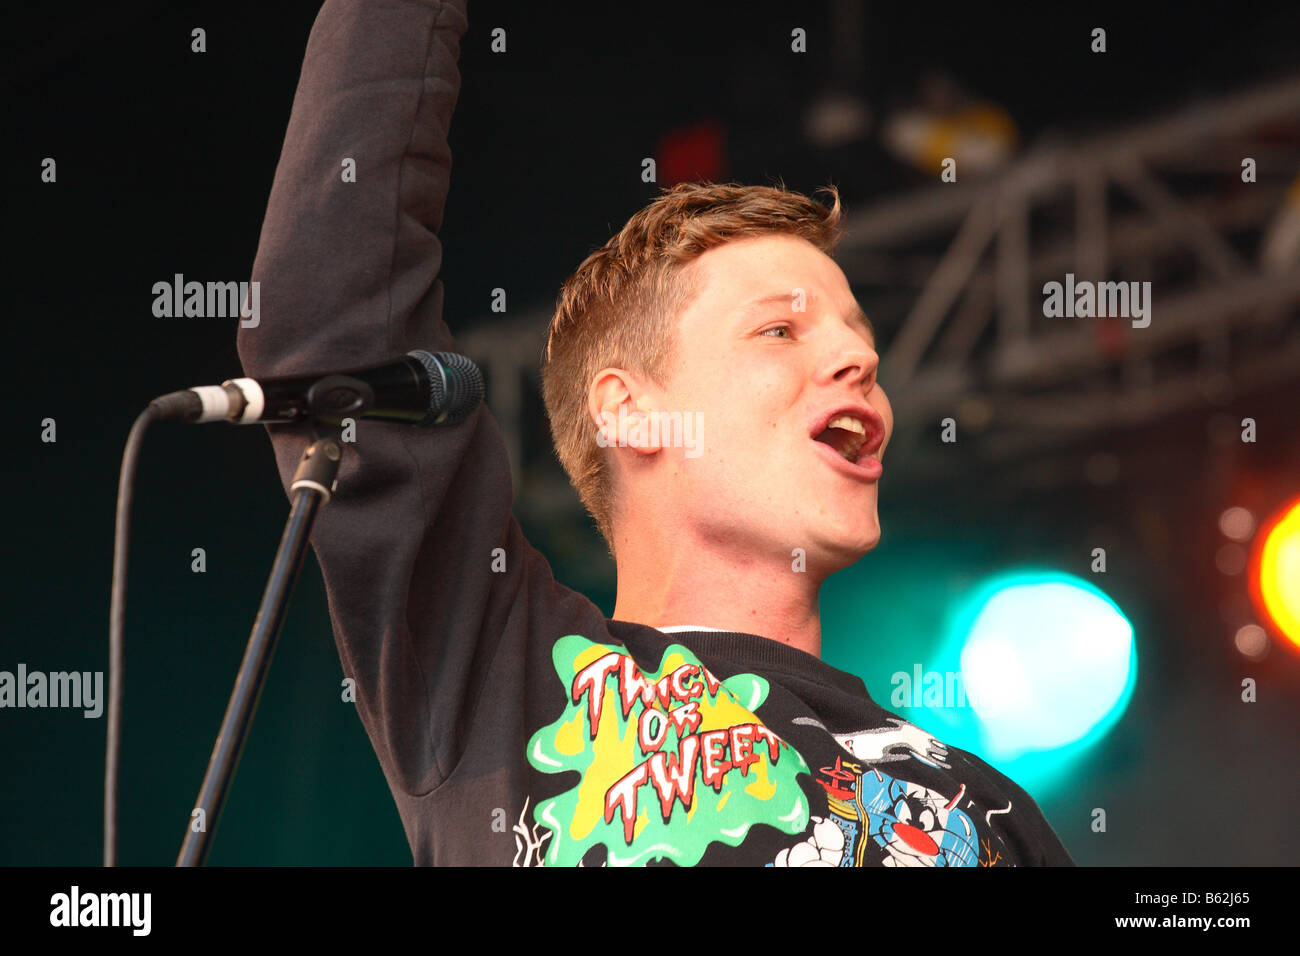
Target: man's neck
x,y
696,584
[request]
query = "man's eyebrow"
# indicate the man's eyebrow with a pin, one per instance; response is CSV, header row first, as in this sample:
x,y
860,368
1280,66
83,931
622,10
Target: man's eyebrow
x,y
773,299
787,298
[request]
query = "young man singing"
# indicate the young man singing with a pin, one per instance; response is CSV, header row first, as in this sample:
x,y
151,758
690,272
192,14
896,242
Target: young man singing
x,y
711,385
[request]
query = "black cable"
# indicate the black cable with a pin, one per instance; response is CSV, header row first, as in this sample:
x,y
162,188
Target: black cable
x,y
116,618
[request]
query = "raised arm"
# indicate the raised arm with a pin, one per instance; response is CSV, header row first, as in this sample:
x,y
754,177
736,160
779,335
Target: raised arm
x,y
348,270
348,273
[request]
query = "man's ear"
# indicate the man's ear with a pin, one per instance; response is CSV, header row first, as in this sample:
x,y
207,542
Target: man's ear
x,y
621,411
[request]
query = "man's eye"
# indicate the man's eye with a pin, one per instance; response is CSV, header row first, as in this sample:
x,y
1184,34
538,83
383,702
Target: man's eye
x,y
777,328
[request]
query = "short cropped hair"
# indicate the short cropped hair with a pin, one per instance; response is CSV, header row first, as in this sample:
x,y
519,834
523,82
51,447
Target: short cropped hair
x,y
619,309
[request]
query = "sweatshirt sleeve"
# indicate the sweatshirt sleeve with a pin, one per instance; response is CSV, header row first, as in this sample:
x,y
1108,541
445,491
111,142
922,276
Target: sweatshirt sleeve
x,y
348,270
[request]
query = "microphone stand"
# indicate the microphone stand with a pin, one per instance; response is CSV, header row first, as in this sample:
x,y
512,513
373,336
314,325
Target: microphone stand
x,y
313,483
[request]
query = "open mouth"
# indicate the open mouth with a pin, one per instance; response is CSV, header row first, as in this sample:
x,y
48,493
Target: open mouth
x,y
846,435
854,434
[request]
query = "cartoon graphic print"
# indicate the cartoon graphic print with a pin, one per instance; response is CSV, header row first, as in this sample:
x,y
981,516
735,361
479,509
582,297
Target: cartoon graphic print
x,y
897,740
825,847
884,821
528,841
671,761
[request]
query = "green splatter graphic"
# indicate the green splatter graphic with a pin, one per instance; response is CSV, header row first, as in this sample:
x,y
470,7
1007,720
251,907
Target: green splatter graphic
x,y
689,748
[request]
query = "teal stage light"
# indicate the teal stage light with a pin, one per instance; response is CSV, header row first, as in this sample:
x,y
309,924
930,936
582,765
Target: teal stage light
x,y
1052,664
1048,662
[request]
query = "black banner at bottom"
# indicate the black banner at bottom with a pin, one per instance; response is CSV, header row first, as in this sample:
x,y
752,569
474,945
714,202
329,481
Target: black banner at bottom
x,y
239,904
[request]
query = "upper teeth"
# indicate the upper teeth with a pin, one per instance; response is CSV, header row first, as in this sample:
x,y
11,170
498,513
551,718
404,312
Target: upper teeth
x,y
848,423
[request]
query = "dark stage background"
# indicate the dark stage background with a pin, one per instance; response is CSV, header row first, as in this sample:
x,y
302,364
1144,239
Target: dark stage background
x,y
165,160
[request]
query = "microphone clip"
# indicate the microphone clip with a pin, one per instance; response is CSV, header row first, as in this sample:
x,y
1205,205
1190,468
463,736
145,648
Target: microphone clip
x,y
336,397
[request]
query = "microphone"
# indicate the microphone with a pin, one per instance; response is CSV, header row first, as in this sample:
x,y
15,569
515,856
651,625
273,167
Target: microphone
x,y
421,388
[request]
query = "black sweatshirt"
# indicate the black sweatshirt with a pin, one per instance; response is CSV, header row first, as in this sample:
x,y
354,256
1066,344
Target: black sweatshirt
x,y
515,724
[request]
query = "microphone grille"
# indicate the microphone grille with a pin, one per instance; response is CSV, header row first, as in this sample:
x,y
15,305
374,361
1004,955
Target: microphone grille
x,y
455,386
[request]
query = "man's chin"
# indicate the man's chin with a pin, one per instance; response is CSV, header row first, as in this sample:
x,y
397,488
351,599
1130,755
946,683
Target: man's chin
x,y
842,548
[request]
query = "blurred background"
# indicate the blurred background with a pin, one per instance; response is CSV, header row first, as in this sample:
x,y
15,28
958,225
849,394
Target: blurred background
x,y
1097,578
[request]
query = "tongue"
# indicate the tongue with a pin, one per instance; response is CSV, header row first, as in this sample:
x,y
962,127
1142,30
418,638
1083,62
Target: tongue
x,y
838,438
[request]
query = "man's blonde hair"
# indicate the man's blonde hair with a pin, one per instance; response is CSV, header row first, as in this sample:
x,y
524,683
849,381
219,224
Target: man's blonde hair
x,y
619,309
